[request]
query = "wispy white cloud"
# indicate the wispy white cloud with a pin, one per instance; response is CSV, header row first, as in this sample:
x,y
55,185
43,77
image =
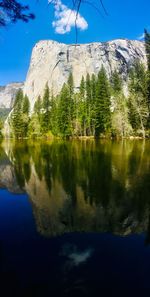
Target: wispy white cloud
x,y
66,18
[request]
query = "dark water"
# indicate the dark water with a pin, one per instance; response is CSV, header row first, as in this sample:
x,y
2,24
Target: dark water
x,y
75,218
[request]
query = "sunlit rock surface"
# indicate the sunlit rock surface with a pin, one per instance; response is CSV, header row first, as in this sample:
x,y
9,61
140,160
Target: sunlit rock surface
x,y
52,62
7,94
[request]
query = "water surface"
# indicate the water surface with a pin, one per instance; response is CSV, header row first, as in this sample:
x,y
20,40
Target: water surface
x,y
74,217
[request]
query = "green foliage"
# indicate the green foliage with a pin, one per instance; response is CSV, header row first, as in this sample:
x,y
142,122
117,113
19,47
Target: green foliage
x,y
45,117
38,106
26,105
34,128
16,116
1,127
147,48
70,84
138,105
12,11
121,126
4,112
116,82
20,115
98,109
102,104
137,79
64,112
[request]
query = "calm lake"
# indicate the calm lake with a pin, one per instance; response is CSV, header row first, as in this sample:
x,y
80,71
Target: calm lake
x,y
74,218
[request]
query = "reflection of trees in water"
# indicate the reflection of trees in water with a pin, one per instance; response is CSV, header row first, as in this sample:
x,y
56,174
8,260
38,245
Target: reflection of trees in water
x,y
86,185
21,162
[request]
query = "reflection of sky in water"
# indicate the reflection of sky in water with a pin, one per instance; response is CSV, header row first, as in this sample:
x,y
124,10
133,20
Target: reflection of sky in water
x,y
73,188
75,255
72,265
80,257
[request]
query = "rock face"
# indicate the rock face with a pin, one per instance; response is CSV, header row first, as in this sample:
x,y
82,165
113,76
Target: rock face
x,y
7,94
52,62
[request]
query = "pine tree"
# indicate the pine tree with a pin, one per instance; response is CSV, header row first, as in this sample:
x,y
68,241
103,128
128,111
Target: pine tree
x,y
137,79
138,107
38,106
1,128
18,99
70,83
54,115
26,105
82,88
64,124
121,126
147,47
88,104
116,82
102,104
45,119
82,107
16,115
25,115
71,103
93,100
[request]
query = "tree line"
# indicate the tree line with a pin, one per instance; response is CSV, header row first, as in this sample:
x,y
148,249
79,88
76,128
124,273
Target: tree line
x,y
100,108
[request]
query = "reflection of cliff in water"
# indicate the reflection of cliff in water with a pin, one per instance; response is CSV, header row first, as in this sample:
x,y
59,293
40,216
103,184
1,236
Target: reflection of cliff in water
x,y
82,186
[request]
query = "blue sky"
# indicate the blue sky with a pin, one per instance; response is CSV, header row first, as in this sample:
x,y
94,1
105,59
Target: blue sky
x,y
126,19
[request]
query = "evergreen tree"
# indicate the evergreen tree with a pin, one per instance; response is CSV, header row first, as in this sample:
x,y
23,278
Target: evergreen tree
x,y
138,107
102,104
88,104
71,103
54,115
147,47
1,128
26,105
25,115
38,106
34,127
116,82
45,119
82,88
16,116
121,126
18,99
64,124
137,79
82,108
93,99
70,83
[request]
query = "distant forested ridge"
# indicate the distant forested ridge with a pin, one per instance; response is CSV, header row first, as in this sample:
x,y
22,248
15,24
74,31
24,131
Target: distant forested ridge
x,y
101,107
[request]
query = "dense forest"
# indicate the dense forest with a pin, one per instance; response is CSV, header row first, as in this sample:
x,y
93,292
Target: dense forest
x,y
100,108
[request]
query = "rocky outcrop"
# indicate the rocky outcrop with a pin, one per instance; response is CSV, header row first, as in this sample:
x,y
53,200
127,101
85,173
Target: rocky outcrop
x,y
52,62
7,94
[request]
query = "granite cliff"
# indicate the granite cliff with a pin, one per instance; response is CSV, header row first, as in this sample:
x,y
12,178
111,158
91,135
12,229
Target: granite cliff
x,y
7,94
52,62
